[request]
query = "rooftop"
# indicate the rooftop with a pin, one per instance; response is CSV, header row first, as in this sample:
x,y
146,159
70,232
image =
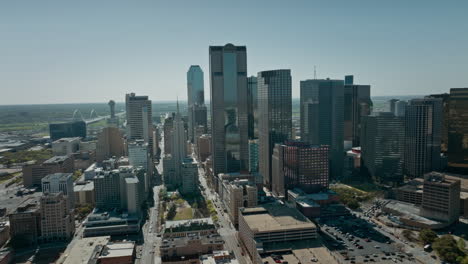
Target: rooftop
x,y
85,249
118,249
63,140
56,159
57,176
274,216
188,225
83,186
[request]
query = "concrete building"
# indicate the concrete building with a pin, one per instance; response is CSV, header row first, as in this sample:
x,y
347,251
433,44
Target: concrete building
x,y
67,130
197,115
84,193
25,223
441,198
267,227
237,194
110,143
86,249
169,173
167,130
189,239
203,147
57,220
65,146
189,175
219,257
100,223
322,118
132,193
275,114
33,174
139,156
423,126
457,151
382,147
300,165
324,205
229,121
357,103
107,190
198,122
60,182
400,108
252,100
253,156
139,119
122,252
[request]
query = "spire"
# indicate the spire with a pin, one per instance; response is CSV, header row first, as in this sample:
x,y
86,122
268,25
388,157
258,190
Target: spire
x,y
178,112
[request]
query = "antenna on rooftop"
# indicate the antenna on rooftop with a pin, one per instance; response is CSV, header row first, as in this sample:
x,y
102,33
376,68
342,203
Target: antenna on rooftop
x,y
315,72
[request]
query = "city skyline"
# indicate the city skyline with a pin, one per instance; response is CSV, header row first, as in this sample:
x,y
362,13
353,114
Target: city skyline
x,y
395,46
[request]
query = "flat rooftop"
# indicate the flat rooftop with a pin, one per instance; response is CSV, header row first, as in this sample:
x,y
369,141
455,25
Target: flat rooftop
x,y
69,139
275,217
85,249
118,249
56,159
409,211
83,186
57,176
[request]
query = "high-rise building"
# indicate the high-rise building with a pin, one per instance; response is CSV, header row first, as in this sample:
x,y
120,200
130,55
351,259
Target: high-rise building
x,y
423,125
60,182
391,105
458,131
139,156
203,147
252,100
236,194
110,143
445,119
400,108
441,198
167,130
357,103
66,130
197,113
33,174
322,113
189,175
300,165
382,147
253,155
139,119
57,220
25,223
107,190
113,120
275,112
229,124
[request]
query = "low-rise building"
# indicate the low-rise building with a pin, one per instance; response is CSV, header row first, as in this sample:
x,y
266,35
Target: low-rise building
x,y
117,253
66,146
188,239
218,257
25,223
100,223
267,227
86,249
33,174
317,205
4,233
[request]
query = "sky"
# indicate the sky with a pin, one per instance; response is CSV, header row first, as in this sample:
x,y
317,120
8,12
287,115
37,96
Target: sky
x,y
55,51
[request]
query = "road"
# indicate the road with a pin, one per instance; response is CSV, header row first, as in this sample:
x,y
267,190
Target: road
x,y
150,250
78,235
226,229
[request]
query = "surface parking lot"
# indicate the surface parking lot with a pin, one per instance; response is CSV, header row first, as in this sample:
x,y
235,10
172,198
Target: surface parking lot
x,y
359,241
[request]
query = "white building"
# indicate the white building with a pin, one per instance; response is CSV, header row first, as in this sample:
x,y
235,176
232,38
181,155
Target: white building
x,y
139,156
60,182
65,146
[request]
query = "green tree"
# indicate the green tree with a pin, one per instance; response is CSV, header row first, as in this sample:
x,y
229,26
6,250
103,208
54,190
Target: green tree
x,y
461,244
427,236
447,249
408,234
465,260
353,204
172,212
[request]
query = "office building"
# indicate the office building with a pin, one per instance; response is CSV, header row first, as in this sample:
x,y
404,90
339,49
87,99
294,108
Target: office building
x,y
139,156
198,121
167,130
139,119
197,115
67,130
445,97
189,176
253,156
275,114
84,193
357,103
236,194
457,151
187,240
252,100
400,108
57,220
110,223
300,165
229,122
391,105
322,111
382,147
33,174
110,143
25,223
441,198
264,228
107,190
203,147
323,205
423,125
60,182
65,146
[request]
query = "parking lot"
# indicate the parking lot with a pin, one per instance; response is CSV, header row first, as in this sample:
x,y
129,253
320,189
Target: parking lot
x,y
359,241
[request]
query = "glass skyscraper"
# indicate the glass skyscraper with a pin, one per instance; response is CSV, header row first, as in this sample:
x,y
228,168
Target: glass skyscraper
x,y
229,122
197,115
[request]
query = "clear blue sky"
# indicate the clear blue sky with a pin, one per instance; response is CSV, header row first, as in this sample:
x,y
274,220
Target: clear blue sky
x,y
93,51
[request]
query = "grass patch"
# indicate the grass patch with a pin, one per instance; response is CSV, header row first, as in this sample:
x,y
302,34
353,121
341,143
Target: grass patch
x,y
184,214
25,155
6,177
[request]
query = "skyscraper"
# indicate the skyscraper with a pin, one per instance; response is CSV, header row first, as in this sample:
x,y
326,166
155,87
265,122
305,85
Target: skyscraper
x,y
197,114
252,100
357,103
458,130
423,126
382,147
322,111
70,129
139,119
60,182
229,125
275,112
109,143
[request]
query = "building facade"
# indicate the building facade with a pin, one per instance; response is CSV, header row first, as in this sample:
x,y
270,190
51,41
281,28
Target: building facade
x,y
33,174
197,114
357,103
110,143
252,97
65,130
60,182
275,114
229,122
457,151
65,146
189,175
57,220
139,119
322,118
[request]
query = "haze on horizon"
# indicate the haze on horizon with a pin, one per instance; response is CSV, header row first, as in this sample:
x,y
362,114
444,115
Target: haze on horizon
x,y
91,51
